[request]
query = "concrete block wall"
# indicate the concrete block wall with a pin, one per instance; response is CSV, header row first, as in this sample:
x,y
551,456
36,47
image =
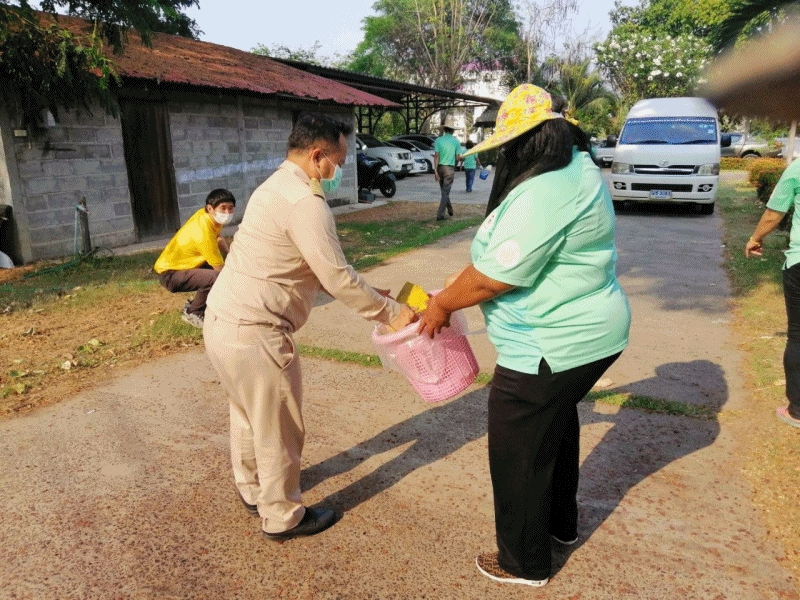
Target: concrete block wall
x,y
80,157
236,143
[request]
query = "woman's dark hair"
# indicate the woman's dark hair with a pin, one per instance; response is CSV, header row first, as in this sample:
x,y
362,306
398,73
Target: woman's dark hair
x,y
314,127
218,196
545,148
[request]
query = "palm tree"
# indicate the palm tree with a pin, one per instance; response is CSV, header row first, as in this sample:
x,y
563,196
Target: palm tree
x,y
580,87
743,14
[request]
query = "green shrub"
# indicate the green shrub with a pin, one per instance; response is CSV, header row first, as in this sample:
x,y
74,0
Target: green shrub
x,y
730,163
762,165
764,174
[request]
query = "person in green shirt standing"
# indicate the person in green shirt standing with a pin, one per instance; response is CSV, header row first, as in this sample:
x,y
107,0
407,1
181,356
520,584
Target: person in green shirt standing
x,y
446,151
784,197
471,162
544,274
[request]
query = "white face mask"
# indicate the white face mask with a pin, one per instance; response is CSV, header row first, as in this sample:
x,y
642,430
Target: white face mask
x,y
223,218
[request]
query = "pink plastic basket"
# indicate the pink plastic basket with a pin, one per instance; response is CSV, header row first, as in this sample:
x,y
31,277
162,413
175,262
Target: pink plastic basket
x,y
437,368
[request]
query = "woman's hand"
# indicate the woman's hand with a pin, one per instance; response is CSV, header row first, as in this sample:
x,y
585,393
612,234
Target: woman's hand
x,y
433,319
384,293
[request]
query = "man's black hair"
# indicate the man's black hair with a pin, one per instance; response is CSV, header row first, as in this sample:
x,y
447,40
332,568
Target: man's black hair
x,y
312,127
469,144
218,196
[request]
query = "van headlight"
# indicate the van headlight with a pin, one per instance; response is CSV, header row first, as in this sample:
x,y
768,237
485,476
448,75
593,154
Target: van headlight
x,y
620,168
710,169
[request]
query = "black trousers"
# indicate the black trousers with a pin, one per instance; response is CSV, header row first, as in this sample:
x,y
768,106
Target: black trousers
x,y
791,355
534,460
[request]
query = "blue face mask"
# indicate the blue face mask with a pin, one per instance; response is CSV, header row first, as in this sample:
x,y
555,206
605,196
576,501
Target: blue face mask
x,y
331,185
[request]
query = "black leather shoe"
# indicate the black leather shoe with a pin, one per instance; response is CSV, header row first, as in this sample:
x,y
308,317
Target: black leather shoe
x,y
314,521
441,218
449,209
250,508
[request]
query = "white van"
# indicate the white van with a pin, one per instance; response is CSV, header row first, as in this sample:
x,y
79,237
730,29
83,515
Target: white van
x,y
668,151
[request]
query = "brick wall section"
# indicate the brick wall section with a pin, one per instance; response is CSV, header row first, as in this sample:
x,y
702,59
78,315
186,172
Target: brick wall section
x,y
235,144
82,156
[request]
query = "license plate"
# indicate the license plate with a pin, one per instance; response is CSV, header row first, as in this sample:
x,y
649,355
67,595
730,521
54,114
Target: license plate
x,y
661,194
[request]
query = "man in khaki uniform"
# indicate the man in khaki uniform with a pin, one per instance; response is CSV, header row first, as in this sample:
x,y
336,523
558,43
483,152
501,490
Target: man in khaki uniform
x,y
285,251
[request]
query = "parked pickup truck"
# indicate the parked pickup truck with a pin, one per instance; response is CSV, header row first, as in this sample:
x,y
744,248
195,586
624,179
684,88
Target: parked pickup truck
x,y
743,146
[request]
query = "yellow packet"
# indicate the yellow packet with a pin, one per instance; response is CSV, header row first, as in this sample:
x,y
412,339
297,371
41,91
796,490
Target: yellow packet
x,y
414,296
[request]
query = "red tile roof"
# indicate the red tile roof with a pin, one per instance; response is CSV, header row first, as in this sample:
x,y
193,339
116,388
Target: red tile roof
x,y
174,59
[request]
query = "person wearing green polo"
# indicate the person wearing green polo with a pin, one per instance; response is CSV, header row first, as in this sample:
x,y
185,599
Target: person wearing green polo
x,y
471,163
544,274
784,198
446,151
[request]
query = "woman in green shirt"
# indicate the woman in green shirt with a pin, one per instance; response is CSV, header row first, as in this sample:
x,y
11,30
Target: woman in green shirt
x,y
543,272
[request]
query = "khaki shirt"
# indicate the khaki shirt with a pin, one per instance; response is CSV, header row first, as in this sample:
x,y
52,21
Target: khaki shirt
x,y
285,250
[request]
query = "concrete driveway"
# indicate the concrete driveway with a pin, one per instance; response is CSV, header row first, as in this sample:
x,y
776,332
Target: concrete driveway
x,y
126,492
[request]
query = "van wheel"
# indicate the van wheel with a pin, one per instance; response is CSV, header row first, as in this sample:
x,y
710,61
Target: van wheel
x,y
751,156
707,209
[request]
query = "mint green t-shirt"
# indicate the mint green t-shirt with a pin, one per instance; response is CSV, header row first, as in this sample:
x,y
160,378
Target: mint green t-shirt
x,y
782,199
447,147
471,161
553,238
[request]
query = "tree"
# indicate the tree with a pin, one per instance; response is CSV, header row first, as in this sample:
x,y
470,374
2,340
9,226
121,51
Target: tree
x,y
746,17
659,47
45,66
430,41
582,88
543,23
302,54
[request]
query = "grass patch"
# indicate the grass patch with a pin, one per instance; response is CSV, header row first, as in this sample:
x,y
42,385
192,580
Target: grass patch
x,y
772,453
654,405
343,356
369,244
741,210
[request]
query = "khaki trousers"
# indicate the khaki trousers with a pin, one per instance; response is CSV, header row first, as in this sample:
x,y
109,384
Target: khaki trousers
x,y
259,368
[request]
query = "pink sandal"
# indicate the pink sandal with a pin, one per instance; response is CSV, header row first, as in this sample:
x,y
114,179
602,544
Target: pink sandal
x,y
783,414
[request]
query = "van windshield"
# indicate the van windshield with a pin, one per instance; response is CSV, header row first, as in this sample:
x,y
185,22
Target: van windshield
x,y
670,130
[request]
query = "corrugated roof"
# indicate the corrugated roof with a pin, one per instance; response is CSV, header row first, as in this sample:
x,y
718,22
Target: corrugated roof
x,y
178,60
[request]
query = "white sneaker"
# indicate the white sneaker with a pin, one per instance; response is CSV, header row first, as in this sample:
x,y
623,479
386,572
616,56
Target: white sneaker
x,y
487,565
193,320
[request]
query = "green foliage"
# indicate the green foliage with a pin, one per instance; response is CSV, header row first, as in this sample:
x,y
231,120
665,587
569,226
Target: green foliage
x,y
390,124
308,55
45,66
431,41
582,88
764,174
731,163
641,63
745,18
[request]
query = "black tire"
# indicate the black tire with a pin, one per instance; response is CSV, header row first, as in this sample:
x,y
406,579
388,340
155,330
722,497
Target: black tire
x,y
430,166
707,209
750,156
388,189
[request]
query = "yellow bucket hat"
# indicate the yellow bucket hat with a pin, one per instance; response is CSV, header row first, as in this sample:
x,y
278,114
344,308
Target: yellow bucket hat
x,y
525,107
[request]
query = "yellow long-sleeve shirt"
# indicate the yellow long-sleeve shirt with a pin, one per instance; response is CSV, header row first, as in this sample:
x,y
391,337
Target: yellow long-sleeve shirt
x,y
192,246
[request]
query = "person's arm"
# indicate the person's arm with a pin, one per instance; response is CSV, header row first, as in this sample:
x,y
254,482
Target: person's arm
x,y
312,229
769,222
471,287
436,165
223,245
781,200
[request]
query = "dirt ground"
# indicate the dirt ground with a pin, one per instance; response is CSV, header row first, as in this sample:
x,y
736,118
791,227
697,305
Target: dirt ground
x,y
36,342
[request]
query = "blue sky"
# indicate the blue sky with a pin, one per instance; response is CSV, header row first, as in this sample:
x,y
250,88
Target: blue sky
x,y
337,25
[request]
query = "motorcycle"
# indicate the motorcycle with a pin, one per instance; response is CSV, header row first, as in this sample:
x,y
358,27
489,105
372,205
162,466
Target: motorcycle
x,y
374,174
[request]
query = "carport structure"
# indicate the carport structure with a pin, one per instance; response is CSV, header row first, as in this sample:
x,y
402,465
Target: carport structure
x,y
418,102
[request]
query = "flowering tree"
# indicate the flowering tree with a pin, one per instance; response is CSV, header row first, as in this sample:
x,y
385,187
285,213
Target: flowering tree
x,y
641,65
